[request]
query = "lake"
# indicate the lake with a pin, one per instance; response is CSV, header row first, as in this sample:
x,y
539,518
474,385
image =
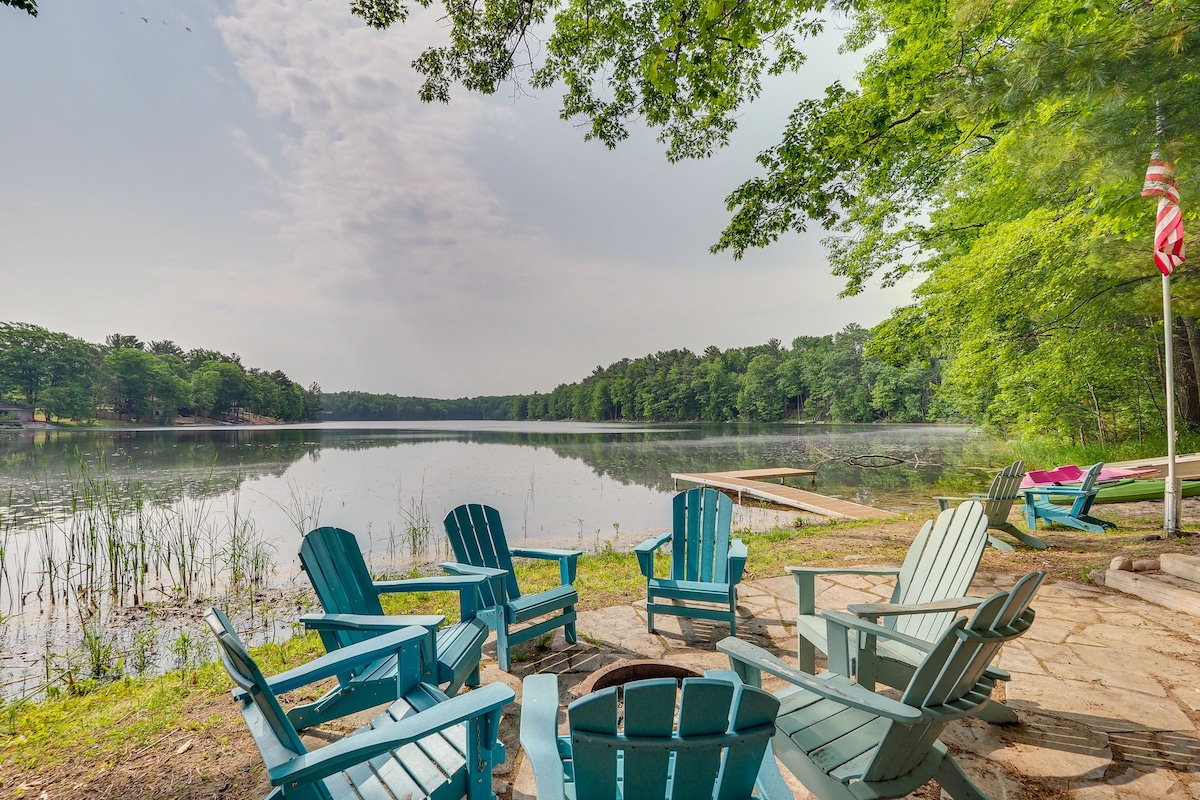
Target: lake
x,y
175,514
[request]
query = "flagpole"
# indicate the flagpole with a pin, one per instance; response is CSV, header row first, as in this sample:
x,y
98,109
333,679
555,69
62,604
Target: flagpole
x,y
1171,491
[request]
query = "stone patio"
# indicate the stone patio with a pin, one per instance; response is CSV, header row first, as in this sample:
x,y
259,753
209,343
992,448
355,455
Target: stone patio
x,y
1107,686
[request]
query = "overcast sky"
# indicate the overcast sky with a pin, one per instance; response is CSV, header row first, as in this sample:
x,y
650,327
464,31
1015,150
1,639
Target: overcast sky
x,y
259,177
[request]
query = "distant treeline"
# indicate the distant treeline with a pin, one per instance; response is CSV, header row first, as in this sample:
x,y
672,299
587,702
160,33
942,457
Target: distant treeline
x,y
68,378
367,406
830,378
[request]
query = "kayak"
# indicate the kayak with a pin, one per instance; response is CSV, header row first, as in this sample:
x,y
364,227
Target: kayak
x,y
1131,491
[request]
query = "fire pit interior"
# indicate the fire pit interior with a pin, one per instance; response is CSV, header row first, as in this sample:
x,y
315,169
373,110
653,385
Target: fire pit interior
x,y
623,672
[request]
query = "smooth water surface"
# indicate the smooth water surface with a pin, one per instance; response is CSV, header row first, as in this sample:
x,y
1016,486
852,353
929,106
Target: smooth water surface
x,y
552,482
88,515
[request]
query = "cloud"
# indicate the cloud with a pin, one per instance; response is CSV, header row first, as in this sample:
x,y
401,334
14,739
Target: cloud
x,y
481,246
378,185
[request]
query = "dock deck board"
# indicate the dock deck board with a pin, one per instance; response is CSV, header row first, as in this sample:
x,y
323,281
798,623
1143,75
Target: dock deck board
x,y
784,495
782,473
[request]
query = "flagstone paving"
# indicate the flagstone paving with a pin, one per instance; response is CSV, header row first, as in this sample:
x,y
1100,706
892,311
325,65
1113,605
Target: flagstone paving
x,y
1107,686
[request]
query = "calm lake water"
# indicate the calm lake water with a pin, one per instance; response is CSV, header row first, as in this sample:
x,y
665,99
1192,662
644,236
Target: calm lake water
x,y
198,504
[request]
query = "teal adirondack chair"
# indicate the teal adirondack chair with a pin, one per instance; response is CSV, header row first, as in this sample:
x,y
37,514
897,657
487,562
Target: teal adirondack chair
x,y
339,576
845,742
1039,505
477,539
713,750
706,565
997,503
424,745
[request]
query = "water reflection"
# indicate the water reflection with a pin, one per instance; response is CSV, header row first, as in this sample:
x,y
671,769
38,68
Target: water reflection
x,y
92,519
550,480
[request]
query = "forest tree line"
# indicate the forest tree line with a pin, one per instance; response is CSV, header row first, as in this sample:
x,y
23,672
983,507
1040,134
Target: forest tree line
x,y
63,377
828,378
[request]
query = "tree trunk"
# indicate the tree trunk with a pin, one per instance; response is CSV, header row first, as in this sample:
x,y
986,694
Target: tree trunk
x,y
1193,388
1096,410
1182,380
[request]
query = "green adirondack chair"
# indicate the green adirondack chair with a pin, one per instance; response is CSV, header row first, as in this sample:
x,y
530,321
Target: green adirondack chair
x,y
334,564
706,565
712,750
477,539
1038,504
424,745
997,503
931,587
845,742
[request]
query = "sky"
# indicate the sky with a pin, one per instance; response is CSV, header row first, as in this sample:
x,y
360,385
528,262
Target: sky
x,y
258,177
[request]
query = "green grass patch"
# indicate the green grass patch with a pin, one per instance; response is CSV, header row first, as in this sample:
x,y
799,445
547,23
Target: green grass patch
x,y
101,722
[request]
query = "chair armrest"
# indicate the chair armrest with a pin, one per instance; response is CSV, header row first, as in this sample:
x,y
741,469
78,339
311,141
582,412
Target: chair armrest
x,y
374,623
456,568
543,552
742,654
843,570
346,659
539,733
873,611
847,622
433,583
738,553
1067,491
806,582
645,553
470,603
944,502
358,748
567,559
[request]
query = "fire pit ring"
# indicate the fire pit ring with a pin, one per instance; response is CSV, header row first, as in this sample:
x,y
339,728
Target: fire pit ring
x,y
623,672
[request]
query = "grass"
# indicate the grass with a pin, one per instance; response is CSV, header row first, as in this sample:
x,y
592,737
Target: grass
x,y
101,724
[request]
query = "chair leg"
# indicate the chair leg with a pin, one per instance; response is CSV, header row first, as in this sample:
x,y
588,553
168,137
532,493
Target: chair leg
x,y
997,714
473,679
569,632
806,655
502,653
1023,537
956,783
1000,544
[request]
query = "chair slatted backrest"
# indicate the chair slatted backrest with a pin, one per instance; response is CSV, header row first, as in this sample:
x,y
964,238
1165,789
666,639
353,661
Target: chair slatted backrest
x,y
477,538
1087,490
951,678
248,677
335,567
700,540
940,564
1003,492
712,750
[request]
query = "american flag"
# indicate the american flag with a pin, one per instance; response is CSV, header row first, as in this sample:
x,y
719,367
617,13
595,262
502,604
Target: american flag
x,y
1168,226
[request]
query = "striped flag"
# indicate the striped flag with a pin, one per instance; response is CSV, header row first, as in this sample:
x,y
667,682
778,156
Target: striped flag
x,y
1168,226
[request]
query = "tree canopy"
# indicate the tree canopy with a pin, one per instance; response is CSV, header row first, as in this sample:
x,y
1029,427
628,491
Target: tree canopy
x,y
996,148
28,6
69,378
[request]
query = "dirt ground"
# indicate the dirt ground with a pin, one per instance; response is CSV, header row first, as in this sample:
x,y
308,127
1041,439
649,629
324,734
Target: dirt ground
x,y
211,755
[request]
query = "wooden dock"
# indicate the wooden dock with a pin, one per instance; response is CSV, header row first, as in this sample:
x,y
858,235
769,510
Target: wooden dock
x,y
737,481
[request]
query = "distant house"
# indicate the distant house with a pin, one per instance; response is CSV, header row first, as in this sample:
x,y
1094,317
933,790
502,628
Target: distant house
x,y
14,416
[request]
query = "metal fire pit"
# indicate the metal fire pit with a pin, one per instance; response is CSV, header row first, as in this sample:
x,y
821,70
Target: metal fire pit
x,y
623,672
